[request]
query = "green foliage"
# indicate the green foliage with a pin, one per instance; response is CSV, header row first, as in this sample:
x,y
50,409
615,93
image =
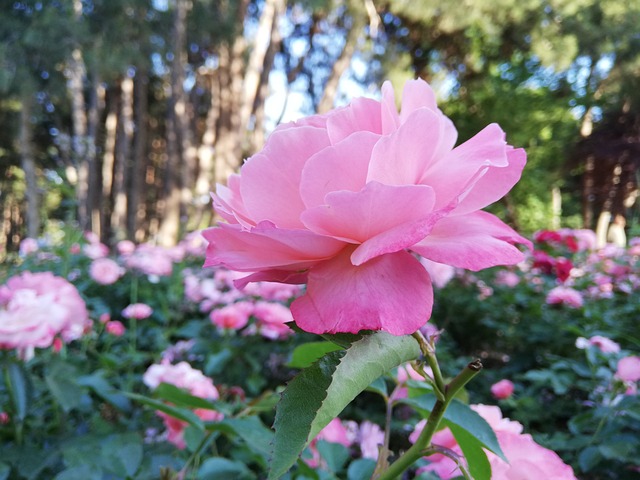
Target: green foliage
x,y
320,393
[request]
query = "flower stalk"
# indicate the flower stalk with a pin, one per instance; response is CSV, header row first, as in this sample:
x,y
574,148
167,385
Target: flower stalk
x,y
449,391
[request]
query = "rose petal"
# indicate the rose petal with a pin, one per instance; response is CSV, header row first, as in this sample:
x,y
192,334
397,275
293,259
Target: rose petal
x,y
451,173
358,216
271,179
474,241
494,184
362,115
340,167
403,157
390,118
227,201
416,94
392,293
275,275
266,246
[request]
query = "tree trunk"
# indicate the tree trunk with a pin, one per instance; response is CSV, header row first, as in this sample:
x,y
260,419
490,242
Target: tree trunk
x,y
256,61
230,131
258,137
108,161
136,210
122,166
206,154
96,106
76,73
80,147
28,164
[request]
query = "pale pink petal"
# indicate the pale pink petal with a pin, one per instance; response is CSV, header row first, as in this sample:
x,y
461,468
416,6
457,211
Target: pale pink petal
x,y
494,184
390,118
282,276
340,167
473,241
398,238
363,114
270,184
416,94
266,247
358,216
453,172
403,157
392,293
227,201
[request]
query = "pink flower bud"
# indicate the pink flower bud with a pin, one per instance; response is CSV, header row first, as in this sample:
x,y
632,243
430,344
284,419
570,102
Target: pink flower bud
x,y
502,389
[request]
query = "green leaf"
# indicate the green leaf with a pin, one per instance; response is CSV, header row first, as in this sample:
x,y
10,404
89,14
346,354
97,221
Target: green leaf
x,y
252,432
179,413
105,390
82,472
334,454
61,382
307,353
16,378
589,458
216,362
217,468
181,398
471,447
5,470
318,394
461,415
379,386
361,468
122,454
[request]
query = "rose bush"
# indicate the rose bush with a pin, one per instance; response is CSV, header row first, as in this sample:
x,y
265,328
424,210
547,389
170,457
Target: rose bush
x,y
344,201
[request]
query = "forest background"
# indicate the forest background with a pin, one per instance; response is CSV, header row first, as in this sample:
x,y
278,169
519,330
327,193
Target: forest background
x,y
122,115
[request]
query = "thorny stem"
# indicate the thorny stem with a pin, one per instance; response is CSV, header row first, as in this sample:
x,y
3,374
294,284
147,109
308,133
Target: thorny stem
x,y
421,446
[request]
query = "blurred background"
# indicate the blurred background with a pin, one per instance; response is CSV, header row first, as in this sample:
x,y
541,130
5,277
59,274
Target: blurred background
x,y
120,116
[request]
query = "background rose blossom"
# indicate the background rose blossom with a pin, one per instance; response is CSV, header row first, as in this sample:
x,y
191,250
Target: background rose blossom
x,y
105,271
565,296
502,389
137,311
232,317
527,459
182,375
629,369
342,201
36,307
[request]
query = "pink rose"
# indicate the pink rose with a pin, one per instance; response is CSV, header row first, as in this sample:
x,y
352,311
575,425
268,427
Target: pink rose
x,y
507,278
105,271
125,247
232,317
343,201
28,246
37,307
137,311
629,369
184,376
271,320
370,437
151,260
604,344
502,389
115,328
565,296
95,250
527,459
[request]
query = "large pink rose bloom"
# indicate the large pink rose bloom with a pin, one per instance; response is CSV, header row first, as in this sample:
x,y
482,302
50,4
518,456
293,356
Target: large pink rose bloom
x,y
343,201
37,307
